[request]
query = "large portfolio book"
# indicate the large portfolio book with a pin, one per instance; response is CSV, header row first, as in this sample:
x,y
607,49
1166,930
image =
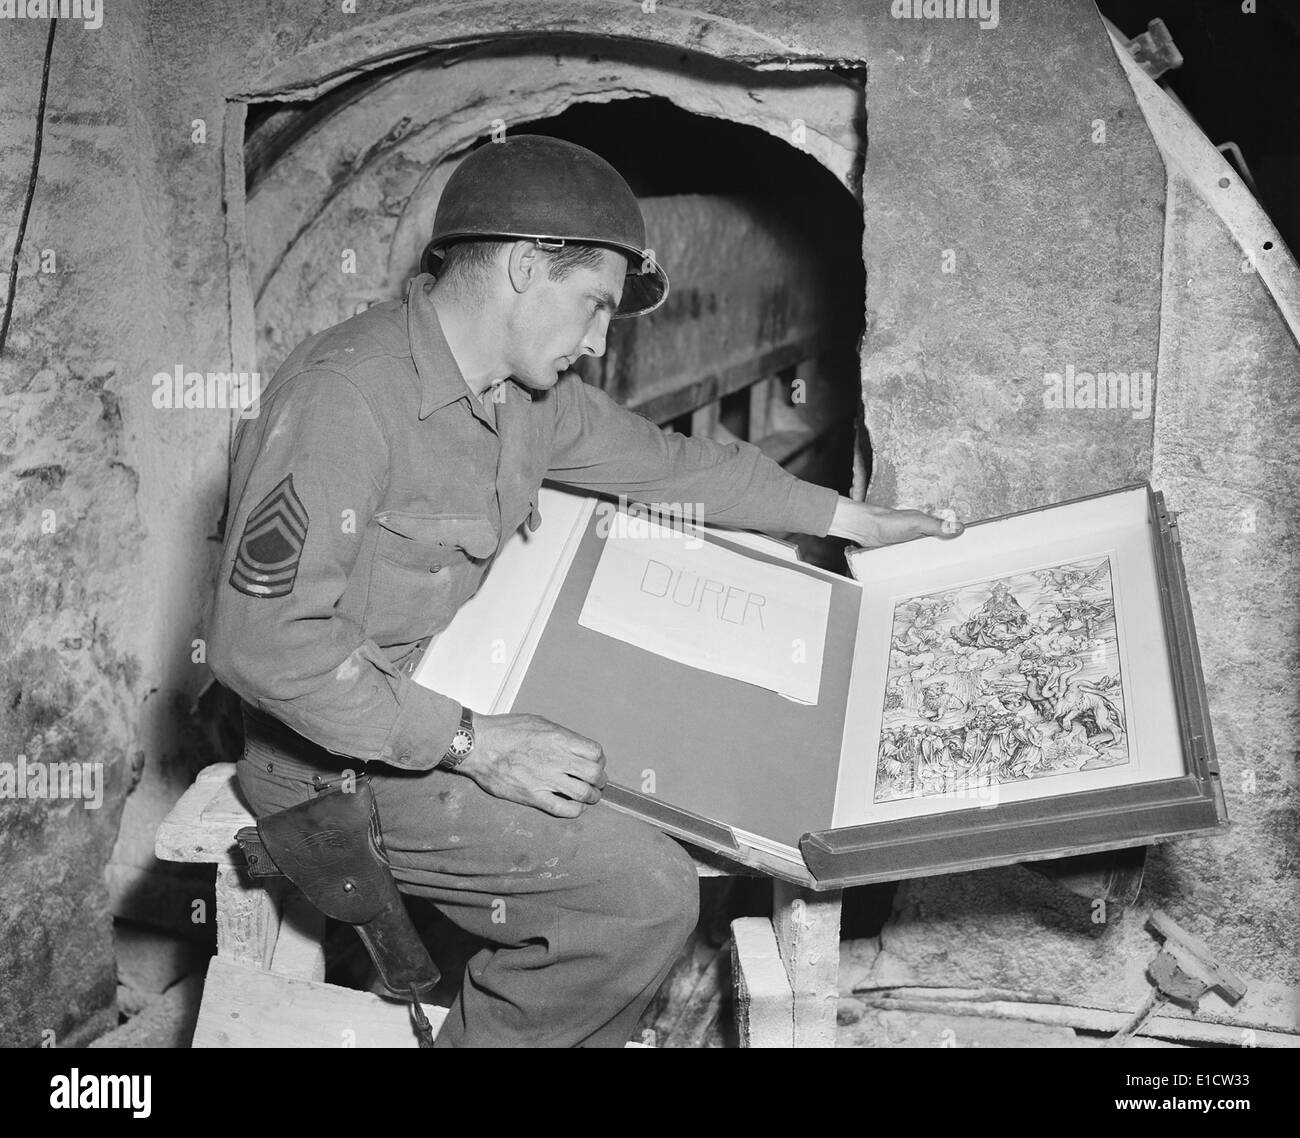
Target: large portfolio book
x,y
1027,690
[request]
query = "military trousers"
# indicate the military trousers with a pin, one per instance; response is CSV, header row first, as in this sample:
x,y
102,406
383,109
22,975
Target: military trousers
x,y
585,916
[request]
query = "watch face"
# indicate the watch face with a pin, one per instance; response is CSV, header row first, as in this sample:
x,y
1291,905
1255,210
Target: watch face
x,y
462,743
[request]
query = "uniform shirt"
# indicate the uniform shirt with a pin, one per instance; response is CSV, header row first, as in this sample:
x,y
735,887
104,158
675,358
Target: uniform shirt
x,y
371,492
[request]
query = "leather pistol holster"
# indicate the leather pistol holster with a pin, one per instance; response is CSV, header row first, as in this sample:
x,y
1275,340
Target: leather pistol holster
x,y
331,848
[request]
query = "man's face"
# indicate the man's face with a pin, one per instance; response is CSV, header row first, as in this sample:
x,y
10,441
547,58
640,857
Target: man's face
x,y
554,322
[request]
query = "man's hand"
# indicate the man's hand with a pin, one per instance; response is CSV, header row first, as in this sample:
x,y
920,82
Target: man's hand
x,y
528,759
872,526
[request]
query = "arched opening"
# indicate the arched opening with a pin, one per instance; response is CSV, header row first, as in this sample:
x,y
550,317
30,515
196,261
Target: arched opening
x,y
747,180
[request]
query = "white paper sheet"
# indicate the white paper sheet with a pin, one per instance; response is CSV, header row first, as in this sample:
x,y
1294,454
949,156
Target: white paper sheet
x,y
710,608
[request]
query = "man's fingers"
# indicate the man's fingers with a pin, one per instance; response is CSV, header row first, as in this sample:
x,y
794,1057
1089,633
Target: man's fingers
x,y
586,770
886,526
924,525
554,804
586,748
582,791
949,524
921,524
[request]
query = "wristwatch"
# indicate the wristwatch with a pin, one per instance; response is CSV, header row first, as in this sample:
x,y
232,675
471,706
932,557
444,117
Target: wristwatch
x,y
462,743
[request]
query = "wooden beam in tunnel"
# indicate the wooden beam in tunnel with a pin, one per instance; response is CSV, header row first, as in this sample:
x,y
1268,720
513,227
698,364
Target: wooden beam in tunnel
x,y
689,392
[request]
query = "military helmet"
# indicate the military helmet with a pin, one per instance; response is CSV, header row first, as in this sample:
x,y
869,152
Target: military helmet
x,y
544,189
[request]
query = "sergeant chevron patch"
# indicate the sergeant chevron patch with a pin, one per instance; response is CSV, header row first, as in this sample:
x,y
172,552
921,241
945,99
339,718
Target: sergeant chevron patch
x,y
266,563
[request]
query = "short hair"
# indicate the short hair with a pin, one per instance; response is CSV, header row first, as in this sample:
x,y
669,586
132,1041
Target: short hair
x,y
466,262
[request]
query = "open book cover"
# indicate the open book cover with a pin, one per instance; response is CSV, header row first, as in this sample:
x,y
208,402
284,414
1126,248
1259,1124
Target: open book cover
x,y
1030,689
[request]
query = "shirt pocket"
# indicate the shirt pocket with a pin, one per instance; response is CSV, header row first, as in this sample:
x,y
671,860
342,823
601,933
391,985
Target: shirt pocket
x,y
425,566
423,541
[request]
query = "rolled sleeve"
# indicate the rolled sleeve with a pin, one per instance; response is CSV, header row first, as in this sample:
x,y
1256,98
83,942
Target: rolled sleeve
x,y
603,447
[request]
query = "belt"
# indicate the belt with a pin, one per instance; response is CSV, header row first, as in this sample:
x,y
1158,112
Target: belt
x,y
270,744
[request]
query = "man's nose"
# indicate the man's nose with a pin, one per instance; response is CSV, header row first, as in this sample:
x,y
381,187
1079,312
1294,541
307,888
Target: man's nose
x,y
593,343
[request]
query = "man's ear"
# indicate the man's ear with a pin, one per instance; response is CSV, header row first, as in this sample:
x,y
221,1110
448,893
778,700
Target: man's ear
x,y
524,263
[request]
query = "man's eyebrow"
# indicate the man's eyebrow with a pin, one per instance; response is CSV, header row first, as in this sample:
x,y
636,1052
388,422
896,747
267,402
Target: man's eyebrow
x,y
604,296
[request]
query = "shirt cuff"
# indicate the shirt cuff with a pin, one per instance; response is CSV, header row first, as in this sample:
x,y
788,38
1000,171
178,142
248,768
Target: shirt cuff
x,y
812,508
422,731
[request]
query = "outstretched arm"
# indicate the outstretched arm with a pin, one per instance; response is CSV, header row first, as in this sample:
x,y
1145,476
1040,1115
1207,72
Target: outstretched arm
x,y
601,446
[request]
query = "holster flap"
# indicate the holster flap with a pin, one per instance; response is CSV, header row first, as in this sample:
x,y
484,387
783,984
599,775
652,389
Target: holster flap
x,y
329,848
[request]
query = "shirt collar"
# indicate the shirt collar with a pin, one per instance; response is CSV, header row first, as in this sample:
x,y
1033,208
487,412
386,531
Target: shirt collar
x,y
441,381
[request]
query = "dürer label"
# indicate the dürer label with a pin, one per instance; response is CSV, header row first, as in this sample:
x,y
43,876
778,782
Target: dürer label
x,y
711,598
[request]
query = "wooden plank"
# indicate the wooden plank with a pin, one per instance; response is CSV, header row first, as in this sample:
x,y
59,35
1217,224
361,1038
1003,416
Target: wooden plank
x,y
246,1007
764,1000
683,394
201,826
248,918
807,929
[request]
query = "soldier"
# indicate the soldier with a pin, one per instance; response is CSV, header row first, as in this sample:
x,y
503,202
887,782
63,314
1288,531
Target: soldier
x,y
392,457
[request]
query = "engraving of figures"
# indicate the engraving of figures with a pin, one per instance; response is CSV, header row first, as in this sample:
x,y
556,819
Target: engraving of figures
x,y
1003,681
